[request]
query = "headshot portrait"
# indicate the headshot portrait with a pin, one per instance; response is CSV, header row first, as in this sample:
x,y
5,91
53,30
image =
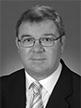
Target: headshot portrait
x,y
40,54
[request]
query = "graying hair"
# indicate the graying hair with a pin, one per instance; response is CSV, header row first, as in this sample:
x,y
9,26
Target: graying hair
x,y
40,13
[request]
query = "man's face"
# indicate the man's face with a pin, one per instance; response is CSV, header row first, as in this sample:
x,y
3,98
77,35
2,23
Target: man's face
x,y
39,61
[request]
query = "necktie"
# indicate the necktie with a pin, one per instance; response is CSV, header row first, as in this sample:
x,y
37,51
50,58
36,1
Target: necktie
x,y
37,100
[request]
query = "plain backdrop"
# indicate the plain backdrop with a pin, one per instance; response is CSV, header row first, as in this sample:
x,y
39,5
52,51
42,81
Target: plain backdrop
x,y
11,11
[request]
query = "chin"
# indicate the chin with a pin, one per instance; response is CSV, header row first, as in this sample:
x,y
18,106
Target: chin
x,y
38,68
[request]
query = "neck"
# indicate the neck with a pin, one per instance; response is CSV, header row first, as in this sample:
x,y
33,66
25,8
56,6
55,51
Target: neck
x,y
41,75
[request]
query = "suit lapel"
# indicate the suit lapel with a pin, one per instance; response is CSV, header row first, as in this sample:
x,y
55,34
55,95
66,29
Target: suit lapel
x,y
17,97
62,90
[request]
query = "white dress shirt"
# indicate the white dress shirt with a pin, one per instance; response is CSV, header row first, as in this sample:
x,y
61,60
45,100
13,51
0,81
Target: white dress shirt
x,y
47,83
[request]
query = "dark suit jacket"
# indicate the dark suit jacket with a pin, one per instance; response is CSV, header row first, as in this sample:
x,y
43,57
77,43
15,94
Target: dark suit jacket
x,y
66,93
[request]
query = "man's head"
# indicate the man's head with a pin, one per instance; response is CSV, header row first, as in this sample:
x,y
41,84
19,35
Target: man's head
x,y
40,40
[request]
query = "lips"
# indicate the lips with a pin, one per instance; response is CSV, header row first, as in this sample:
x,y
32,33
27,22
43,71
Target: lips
x,y
38,59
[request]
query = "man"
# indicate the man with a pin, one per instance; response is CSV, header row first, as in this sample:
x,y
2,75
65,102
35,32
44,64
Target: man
x,y
45,81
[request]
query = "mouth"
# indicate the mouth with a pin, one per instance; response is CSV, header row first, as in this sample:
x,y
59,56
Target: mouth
x,y
38,59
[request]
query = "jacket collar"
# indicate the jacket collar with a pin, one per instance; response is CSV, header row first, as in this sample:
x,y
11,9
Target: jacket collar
x,y
62,90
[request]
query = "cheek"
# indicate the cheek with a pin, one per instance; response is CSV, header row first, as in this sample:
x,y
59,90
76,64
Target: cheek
x,y
24,54
53,55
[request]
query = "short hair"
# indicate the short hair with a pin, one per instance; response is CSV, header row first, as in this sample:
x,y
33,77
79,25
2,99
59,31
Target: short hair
x,y
40,13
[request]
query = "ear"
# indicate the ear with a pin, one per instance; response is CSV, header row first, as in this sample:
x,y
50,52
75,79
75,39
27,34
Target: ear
x,y
17,43
63,41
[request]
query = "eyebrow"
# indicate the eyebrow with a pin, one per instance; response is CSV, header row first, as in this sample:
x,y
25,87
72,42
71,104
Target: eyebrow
x,y
25,36
49,34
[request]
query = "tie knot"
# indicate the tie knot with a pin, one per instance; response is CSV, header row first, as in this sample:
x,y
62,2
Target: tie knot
x,y
36,86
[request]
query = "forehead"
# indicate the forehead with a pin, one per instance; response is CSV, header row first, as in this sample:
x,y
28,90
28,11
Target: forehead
x,y
38,29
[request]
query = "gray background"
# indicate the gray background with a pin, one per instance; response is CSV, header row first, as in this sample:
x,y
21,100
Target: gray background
x,y
11,11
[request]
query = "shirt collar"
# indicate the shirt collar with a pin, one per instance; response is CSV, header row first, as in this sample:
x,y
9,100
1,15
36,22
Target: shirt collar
x,y
29,80
48,83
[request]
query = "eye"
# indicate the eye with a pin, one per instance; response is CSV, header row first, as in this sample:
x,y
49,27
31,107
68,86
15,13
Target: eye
x,y
27,40
47,39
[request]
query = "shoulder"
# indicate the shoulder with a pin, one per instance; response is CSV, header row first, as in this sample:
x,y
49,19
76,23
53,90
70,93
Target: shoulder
x,y
11,79
12,75
10,84
76,81
75,77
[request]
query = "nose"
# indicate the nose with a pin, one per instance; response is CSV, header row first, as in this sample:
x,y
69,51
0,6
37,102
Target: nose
x,y
37,48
